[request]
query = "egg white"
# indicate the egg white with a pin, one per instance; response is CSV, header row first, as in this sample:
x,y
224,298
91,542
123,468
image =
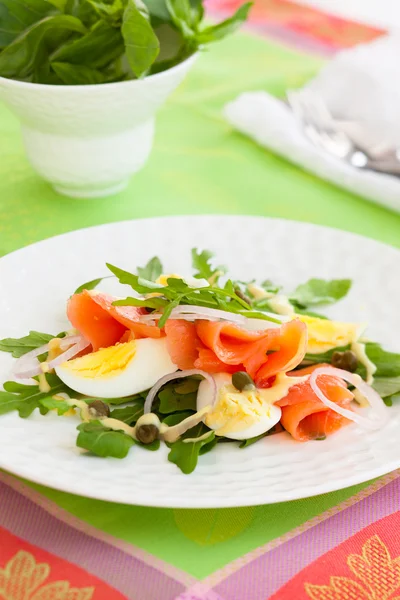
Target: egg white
x,y
150,362
262,423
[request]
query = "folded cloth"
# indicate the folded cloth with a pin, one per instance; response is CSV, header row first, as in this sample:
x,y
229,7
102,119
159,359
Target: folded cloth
x,y
353,86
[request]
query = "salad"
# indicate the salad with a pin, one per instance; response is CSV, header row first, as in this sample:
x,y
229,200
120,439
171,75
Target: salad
x,y
197,361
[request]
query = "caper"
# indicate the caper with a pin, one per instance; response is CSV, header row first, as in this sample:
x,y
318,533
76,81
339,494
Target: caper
x,y
146,433
345,360
242,296
242,381
97,408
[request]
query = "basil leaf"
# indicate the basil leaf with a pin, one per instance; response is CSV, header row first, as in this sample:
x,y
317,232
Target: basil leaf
x,y
20,346
109,12
317,292
17,15
181,15
141,43
128,414
152,270
221,30
99,48
29,50
102,441
158,10
78,75
185,454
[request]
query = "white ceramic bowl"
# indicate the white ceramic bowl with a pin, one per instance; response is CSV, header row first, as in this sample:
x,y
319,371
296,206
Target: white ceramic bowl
x,y
88,140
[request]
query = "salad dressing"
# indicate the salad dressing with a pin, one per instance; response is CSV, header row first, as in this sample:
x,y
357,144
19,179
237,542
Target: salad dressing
x,y
359,350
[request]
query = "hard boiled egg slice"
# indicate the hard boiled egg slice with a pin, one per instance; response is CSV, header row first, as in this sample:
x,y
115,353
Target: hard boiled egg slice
x,y
120,370
237,415
323,335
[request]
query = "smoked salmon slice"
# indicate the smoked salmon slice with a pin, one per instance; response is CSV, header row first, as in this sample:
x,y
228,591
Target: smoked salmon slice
x,y
102,324
304,416
263,353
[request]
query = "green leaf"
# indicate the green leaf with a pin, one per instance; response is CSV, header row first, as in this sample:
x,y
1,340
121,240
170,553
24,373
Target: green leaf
x,y
25,398
20,346
176,418
78,75
102,441
324,357
61,406
167,312
98,49
181,15
128,414
152,447
90,285
201,262
109,12
317,292
141,43
59,4
185,454
310,313
387,363
253,440
17,15
152,270
140,285
387,386
227,27
30,50
148,302
172,400
158,10
136,398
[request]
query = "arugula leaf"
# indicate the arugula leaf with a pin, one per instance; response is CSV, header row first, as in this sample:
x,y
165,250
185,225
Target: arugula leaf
x,y
20,346
176,418
25,398
387,363
152,270
185,454
89,285
253,440
324,357
102,441
172,399
387,386
201,262
317,292
152,447
54,404
28,51
128,414
221,30
135,399
141,43
139,284
148,303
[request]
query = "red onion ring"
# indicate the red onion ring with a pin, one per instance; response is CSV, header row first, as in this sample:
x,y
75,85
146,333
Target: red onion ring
x,y
178,375
380,415
28,366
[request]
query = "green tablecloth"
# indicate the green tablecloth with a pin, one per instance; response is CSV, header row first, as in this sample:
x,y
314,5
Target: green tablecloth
x,y
198,166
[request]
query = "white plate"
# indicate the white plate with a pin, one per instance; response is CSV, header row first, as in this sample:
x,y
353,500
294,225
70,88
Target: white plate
x,y
36,281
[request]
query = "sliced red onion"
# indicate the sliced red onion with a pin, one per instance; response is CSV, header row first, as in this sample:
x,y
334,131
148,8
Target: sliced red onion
x,y
178,375
28,366
380,413
188,312
70,353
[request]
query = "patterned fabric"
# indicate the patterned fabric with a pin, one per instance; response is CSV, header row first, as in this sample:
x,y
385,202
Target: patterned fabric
x,y
302,26
351,552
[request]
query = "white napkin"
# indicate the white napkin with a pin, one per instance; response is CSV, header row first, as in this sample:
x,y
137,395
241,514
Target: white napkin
x,y
360,84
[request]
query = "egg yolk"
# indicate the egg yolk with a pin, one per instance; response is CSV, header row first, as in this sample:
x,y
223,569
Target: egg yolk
x,y
106,362
235,411
324,335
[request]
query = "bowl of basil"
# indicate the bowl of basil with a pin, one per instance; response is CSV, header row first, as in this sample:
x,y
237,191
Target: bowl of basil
x,y
85,78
